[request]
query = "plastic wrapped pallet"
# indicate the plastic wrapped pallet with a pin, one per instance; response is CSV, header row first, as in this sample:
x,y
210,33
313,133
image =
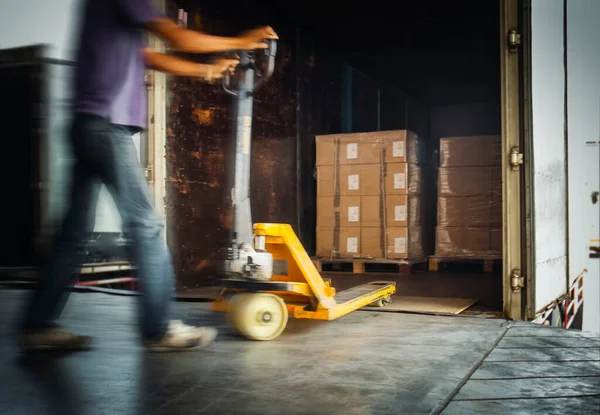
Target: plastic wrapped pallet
x,y
471,151
469,222
483,211
369,196
465,242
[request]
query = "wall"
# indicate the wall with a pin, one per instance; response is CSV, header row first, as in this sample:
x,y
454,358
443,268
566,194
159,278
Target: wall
x,y
479,118
583,100
27,22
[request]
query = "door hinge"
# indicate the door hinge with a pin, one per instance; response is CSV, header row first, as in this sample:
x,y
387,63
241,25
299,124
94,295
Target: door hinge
x,y
517,281
516,158
148,172
514,40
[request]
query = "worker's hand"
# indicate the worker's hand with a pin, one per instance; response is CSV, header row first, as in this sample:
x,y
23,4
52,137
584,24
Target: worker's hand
x,y
220,67
254,39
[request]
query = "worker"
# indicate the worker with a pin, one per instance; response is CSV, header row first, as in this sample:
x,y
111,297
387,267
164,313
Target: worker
x,y
109,108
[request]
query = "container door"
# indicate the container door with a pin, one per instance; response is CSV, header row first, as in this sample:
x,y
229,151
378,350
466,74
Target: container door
x,y
511,176
583,100
546,156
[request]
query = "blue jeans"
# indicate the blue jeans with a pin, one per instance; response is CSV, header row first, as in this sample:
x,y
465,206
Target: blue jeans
x,y
105,153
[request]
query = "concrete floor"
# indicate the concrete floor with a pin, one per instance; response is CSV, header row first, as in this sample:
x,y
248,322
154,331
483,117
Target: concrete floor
x,y
365,363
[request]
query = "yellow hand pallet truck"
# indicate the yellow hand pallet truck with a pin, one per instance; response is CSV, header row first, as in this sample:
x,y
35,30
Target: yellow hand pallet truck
x,y
257,296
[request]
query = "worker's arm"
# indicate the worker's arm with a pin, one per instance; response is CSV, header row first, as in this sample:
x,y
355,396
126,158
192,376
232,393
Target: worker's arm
x,y
181,67
141,13
197,42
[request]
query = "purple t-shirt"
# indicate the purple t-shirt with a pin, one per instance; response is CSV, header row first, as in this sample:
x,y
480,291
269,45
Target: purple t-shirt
x,y
109,79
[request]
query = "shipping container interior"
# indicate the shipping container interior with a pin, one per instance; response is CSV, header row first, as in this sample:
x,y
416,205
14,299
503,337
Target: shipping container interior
x,y
431,67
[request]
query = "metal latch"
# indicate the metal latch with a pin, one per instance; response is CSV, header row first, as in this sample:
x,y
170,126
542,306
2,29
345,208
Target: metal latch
x,y
517,281
514,40
516,158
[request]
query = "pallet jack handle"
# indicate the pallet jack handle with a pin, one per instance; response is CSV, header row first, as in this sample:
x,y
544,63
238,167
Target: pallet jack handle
x,y
254,69
248,61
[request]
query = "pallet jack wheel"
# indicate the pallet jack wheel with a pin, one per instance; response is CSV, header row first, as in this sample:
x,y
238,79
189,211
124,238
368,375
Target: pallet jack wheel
x,y
382,302
258,316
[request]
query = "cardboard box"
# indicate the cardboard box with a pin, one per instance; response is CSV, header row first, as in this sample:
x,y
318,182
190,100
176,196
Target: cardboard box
x,y
470,181
369,148
402,210
401,146
371,212
402,178
351,211
339,243
347,149
471,151
464,242
373,244
484,211
403,242
363,179
367,242
344,211
347,242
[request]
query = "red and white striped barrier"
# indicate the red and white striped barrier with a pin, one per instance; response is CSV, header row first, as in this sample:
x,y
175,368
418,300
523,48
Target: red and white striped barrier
x,y
566,306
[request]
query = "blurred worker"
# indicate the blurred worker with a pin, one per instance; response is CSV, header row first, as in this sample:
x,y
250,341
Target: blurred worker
x,y
109,108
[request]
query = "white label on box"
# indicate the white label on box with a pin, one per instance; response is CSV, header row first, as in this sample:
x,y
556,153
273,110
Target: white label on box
x,y
398,148
400,245
353,182
400,213
399,181
353,214
352,245
352,151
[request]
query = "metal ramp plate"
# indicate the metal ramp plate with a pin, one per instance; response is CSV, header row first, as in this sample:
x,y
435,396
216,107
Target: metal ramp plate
x,y
362,290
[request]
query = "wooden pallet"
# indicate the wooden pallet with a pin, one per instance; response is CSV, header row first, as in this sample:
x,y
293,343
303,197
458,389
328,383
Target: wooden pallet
x,y
361,266
487,262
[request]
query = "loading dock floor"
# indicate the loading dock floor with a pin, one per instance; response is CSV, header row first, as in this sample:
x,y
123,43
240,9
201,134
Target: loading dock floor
x,y
365,363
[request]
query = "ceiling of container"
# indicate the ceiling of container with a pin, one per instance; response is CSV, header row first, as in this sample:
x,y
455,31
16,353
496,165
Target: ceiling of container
x,y
443,52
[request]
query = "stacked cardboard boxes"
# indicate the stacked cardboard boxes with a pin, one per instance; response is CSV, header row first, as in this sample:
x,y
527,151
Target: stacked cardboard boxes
x,y
369,196
469,198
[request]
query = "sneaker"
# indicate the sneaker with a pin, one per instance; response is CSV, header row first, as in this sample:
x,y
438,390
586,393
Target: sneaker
x,y
54,338
180,337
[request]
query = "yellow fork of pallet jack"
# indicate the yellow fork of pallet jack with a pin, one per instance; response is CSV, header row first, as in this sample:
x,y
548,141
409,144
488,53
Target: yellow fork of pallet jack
x,y
306,282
